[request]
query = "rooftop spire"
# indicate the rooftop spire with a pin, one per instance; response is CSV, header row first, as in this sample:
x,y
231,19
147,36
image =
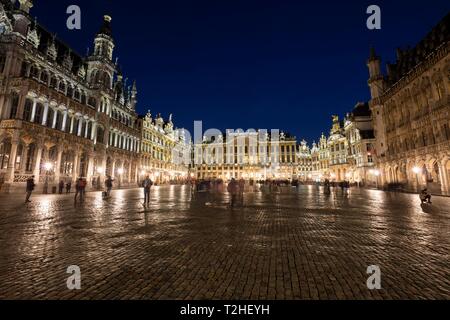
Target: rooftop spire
x,y
106,28
26,5
373,54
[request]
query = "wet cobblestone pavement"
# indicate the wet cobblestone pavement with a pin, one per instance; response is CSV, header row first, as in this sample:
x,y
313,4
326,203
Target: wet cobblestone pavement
x,y
276,246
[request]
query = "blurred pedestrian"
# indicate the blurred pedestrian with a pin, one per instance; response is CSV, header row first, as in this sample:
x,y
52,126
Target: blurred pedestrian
x,y
30,188
147,184
425,196
68,187
233,189
109,186
80,189
61,187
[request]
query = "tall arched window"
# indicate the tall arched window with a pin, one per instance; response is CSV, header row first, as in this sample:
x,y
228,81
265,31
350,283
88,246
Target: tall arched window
x,y
50,116
38,117
92,102
14,106
34,72
30,157
62,86
53,82
89,130
59,120
44,77
27,110
70,91
5,150
100,134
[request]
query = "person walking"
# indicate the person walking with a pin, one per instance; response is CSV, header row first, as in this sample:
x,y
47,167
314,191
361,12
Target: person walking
x,y
233,190
61,187
425,196
68,187
109,186
80,189
147,185
30,188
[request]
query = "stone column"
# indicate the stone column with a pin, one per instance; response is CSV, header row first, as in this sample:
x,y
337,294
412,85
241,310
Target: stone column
x,y
58,164
76,164
37,165
55,116
23,162
33,110
2,106
115,139
113,169
93,136
80,126
45,116
21,106
64,122
12,160
86,129
444,177
72,122
90,169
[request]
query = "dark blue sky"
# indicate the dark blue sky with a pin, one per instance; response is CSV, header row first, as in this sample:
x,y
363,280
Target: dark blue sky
x,y
248,63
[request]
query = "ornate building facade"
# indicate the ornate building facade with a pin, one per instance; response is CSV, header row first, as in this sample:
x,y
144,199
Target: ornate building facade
x,y
62,115
411,108
159,143
358,131
247,155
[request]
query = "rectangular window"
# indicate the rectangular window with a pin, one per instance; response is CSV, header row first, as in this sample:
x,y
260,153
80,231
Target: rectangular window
x,y
2,63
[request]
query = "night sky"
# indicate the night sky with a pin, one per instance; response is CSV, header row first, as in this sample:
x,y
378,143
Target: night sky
x,y
247,63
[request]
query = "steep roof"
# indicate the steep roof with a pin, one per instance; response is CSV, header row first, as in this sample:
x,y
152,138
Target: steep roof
x,y
408,59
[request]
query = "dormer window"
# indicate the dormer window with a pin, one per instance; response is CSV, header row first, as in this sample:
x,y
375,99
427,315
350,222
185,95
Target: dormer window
x,y
44,77
53,83
62,86
77,95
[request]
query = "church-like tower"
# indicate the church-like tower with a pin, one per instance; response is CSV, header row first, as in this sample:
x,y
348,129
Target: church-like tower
x,y
101,68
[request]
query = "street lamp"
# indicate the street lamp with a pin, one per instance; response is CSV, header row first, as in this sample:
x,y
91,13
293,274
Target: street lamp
x,y
417,170
376,173
47,166
120,172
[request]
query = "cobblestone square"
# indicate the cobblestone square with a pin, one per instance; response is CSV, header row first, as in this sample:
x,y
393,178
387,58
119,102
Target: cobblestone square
x,y
290,245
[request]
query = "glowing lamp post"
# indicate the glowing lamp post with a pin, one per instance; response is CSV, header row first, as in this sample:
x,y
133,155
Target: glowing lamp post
x,y
376,173
417,170
47,167
120,172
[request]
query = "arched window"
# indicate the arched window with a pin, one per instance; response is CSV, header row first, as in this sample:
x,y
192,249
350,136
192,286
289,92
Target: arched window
x,y
62,86
2,62
70,91
75,126
50,116
92,102
89,130
27,110
5,150
100,134
77,95
59,120
83,98
24,69
14,106
53,82
38,117
34,72
30,157
44,77
83,129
